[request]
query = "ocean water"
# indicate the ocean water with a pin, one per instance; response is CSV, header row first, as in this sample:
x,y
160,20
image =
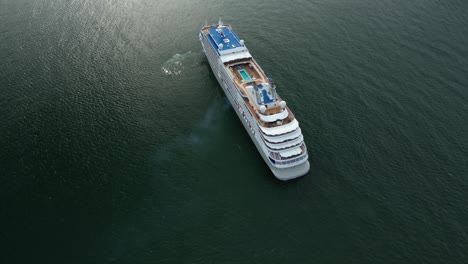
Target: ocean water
x,y
117,144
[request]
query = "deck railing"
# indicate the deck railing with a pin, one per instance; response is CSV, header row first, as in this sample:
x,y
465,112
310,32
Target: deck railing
x,y
278,160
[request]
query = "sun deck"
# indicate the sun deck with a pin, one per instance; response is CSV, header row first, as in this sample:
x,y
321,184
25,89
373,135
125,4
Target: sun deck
x,y
246,72
256,89
225,36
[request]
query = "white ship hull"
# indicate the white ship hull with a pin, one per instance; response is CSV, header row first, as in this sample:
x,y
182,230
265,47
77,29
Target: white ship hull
x,y
281,171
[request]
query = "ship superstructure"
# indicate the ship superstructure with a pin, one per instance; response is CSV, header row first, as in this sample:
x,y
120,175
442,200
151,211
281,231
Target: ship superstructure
x,y
266,117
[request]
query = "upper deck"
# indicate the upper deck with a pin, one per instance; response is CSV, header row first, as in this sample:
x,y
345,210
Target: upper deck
x,y
224,35
225,42
258,91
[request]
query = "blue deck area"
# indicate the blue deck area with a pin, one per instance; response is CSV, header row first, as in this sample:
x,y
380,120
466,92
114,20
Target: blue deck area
x,y
220,38
266,98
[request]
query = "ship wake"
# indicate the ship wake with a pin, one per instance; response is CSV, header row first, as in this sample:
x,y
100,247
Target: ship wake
x,y
177,64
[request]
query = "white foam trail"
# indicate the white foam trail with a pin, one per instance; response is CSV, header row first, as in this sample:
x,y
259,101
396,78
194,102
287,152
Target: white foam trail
x,y
178,62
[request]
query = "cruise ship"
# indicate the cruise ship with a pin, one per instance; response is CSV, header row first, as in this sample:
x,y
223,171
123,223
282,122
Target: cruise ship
x,y
268,120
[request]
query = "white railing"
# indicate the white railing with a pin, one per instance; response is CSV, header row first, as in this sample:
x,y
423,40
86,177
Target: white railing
x,y
289,162
278,160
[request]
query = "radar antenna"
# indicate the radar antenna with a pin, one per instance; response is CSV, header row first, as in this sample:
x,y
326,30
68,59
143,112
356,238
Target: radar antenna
x,y
220,28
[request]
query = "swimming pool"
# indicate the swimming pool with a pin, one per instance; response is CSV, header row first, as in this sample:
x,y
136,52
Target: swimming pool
x,y
245,76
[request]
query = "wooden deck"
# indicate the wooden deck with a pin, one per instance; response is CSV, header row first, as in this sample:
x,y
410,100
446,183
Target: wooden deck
x,y
287,120
253,74
258,77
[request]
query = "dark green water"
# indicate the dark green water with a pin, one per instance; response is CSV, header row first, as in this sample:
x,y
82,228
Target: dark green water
x,y
114,149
